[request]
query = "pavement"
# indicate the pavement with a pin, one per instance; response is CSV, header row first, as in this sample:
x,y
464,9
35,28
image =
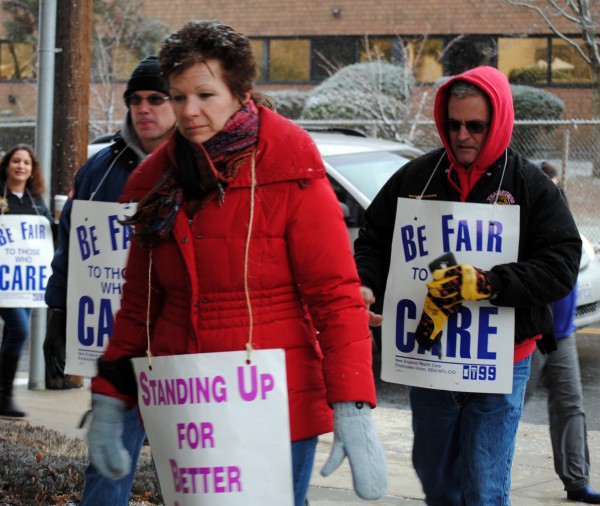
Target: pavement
x,y
533,479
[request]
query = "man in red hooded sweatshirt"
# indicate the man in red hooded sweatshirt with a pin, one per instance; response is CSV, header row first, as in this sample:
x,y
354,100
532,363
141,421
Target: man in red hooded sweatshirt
x,y
464,441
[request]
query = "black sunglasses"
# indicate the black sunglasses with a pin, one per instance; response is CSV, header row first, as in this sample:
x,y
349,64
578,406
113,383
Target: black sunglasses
x,y
152,99
473,127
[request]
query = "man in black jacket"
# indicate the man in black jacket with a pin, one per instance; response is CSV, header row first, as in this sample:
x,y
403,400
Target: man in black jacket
x,y
464,441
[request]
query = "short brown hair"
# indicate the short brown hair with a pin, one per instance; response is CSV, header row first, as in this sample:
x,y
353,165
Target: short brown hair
x,y
199,41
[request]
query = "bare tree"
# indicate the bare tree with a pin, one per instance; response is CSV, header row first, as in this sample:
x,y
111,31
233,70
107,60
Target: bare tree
x,y
584,17
122,36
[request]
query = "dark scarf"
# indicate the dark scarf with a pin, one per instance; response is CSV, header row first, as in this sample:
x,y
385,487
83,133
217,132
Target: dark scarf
x,y
198,171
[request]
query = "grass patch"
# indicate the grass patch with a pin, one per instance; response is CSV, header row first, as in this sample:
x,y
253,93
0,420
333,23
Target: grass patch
x,y
45,467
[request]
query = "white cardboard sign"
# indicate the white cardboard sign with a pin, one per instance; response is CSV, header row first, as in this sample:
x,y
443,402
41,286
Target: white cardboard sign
x,y
477,346
26,251
98,249
218,427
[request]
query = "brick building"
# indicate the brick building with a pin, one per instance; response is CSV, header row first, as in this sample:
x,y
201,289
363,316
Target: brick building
x,y
297,43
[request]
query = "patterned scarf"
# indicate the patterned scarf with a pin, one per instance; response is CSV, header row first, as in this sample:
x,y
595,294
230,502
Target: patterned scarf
x,y
198,171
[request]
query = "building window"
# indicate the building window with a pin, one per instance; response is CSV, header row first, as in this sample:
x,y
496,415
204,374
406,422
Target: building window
x,y
375,48
567,65
542,60
17,60
289,60
524,60
466,52
424,57
329,54
260,51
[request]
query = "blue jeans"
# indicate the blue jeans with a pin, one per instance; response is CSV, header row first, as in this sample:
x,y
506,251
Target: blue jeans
x,y
16,329
464,443
303,458
99,490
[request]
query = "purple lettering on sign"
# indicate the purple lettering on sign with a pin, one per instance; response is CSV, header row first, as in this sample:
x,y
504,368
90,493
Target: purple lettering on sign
x,y
249,393
206,480
200,434
177,391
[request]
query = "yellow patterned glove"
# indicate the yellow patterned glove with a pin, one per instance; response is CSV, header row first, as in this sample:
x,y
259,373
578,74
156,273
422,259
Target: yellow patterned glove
x,y
433,319
459,283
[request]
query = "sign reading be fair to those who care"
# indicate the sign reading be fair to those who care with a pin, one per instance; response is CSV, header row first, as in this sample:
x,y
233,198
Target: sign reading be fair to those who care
x,y
98,249
218,427
477,346
26,251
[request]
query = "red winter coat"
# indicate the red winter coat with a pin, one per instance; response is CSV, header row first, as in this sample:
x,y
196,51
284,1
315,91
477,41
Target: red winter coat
x,y
303,282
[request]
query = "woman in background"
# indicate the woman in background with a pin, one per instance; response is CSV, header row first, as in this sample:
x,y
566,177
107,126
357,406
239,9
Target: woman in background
x,y
21,192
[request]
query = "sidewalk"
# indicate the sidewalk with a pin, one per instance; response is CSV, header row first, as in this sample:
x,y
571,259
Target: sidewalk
x,y
534,482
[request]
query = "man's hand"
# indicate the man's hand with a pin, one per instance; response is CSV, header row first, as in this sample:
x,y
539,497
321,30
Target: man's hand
x,y
354,436
459,283
375,320
433,319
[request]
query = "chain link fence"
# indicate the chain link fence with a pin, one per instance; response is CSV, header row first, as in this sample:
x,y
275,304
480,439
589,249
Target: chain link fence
x,y
570,145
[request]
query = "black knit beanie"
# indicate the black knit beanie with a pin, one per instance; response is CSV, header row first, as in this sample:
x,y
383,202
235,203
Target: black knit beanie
x,y
146,76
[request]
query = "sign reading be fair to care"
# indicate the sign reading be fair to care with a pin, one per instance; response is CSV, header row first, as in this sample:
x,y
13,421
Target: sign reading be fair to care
x,y
218,427
26,251
98,249
476,351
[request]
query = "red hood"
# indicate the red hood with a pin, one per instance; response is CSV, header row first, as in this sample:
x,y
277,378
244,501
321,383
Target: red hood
x,y
495,84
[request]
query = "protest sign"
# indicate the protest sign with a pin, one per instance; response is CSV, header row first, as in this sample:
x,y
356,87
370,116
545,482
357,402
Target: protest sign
x,y
477,345
27,248
98,249
218,427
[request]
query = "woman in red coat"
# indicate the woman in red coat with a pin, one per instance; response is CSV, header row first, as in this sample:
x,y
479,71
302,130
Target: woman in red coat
x,y
235,212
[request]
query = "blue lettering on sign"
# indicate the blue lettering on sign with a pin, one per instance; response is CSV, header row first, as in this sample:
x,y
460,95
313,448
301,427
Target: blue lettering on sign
x,y
458,342
458,328
23,278
470,235
485,331
86,333
474,372
32,231
87,241
119,234
6,236
413,247
406,309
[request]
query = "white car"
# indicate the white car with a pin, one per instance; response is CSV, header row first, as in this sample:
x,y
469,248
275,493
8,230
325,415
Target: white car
x,y
588,287
359,166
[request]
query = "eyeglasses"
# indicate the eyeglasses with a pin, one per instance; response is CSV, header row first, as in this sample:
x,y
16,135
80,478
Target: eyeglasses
x,y
154,100
473,127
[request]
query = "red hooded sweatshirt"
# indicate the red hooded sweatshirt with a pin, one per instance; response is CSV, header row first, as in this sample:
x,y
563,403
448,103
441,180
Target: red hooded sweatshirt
x,y
495,85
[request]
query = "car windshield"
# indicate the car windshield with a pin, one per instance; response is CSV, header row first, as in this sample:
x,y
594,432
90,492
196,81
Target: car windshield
x,y
367,171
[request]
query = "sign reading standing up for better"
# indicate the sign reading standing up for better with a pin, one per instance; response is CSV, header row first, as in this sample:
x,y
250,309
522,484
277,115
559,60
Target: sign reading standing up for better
x,y
218,427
